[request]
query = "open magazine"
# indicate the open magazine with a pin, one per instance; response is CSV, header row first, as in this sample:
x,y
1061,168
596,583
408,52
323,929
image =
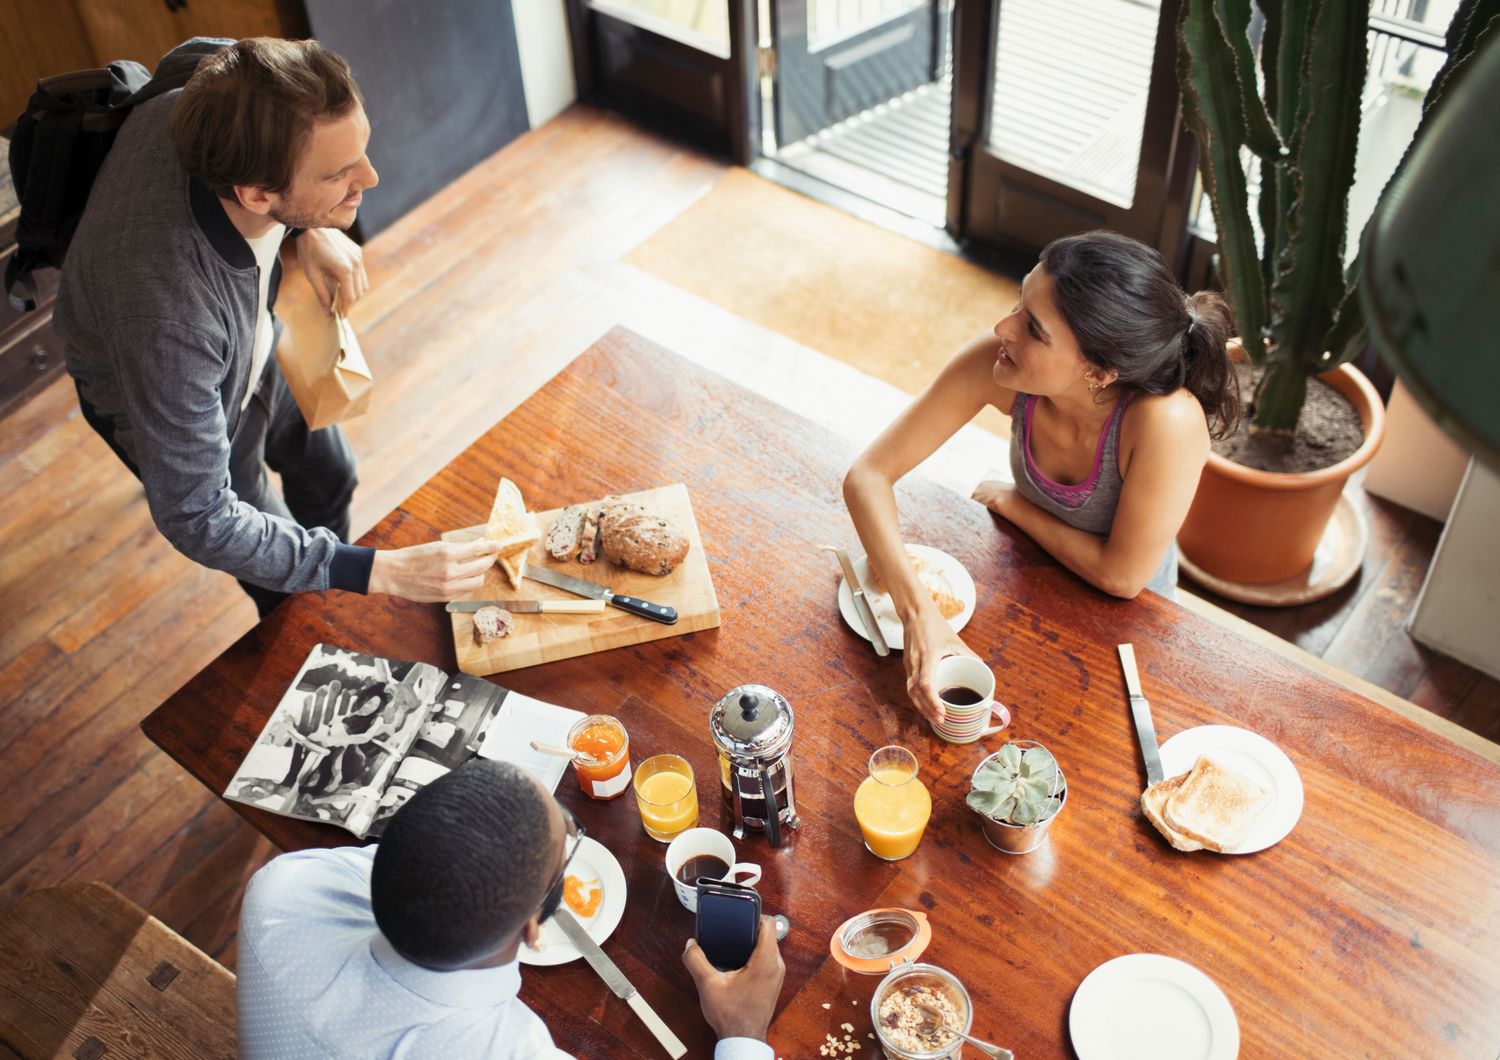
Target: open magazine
x,y
357,735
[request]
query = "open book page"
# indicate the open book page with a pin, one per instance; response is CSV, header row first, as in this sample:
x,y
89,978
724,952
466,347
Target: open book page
x,y
451,735
337,737
523,719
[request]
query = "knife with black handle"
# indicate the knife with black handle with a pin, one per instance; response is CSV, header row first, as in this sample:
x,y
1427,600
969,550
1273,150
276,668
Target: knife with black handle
x,y
635,605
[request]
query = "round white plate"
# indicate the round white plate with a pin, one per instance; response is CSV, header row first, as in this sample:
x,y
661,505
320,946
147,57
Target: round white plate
x,y
1251,755
1144,1006
941,567
593,861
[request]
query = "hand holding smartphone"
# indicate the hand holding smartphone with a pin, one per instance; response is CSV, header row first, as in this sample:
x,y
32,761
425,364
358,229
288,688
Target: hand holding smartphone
x,y
728,923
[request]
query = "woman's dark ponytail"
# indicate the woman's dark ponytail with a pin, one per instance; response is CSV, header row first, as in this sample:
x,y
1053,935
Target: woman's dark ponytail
x,y
1205,351
1129,316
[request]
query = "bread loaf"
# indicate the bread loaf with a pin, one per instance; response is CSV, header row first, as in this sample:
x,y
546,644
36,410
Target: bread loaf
x,y
636,537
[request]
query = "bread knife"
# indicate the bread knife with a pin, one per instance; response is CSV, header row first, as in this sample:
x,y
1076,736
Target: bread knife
x,y
531,607
861,604
1140,711
616,981
634,604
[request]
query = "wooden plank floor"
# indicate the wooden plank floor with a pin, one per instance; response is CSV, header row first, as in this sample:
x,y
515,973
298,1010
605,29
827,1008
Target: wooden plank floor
x,y
478,297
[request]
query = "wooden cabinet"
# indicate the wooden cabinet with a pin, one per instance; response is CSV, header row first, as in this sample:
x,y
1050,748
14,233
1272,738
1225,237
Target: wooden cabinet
x,y
43,37
39,38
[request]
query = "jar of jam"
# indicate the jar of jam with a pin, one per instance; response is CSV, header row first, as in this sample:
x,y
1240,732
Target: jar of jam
x,y
603,762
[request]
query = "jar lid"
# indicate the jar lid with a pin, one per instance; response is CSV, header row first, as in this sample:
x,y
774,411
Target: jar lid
x,y
875,941
752,720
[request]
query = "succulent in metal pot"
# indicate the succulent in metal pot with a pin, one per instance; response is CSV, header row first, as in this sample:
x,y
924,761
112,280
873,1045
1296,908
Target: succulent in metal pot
x,y
1017,785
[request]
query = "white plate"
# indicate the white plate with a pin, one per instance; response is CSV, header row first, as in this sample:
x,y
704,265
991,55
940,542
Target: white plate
x,y
1148,1007
1252,755
941,567
593,861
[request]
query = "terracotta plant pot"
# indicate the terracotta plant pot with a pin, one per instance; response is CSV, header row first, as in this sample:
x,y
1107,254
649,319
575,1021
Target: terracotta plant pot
x,y
1257,527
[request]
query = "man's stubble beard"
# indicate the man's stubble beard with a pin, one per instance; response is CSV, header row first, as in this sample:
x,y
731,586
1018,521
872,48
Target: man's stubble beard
x,y
302,222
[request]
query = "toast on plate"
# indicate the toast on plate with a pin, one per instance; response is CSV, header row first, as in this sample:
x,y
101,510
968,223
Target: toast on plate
x,y
1216,806
1154,801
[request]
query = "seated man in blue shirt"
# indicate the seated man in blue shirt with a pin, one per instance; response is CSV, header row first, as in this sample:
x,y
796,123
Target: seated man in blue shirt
x,y
410,946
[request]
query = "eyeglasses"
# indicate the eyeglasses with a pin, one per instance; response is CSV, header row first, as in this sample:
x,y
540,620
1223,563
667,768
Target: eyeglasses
x,y
576,833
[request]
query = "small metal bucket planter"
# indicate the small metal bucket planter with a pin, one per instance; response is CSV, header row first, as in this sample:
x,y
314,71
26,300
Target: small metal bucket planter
x,y
1021,839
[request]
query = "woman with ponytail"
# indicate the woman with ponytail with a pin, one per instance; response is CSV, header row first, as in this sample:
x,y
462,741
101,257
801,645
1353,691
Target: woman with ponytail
x,y
1115,382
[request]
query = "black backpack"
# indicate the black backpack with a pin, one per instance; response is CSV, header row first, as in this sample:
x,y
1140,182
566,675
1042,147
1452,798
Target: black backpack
x,y
59,144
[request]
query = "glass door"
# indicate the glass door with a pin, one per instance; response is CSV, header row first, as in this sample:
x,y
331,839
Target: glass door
x,y
839,58
1066,120
859,93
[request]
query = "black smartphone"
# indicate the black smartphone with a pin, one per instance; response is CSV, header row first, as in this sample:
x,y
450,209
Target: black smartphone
x,y
728,923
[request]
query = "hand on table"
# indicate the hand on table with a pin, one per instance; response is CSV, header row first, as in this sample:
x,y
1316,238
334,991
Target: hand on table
x,y
996,495
928,641
436,572
333,262
740,1004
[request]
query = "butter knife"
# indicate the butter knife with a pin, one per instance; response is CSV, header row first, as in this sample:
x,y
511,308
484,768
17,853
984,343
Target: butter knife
x,y
1140,711
861,604
616,981
531,607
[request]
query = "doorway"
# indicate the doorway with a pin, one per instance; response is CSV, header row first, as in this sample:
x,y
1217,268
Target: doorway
x,y
858,94
1008,122
1067,120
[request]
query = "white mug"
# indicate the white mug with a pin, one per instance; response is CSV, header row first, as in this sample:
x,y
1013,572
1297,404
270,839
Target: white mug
x,y
967,723
699,842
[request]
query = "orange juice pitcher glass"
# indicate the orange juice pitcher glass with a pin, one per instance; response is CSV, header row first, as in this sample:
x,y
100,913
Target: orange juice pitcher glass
x,y
892,805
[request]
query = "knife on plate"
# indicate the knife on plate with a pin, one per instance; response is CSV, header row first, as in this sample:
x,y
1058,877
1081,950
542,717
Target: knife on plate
x,y
634,604
861,604
1140,710
615,979
531,607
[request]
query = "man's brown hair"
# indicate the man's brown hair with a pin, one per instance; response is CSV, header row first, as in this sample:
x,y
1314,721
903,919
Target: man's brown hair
x,y
249,108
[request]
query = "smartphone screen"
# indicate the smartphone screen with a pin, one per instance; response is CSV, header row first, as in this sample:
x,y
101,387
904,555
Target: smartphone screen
x,y
727,927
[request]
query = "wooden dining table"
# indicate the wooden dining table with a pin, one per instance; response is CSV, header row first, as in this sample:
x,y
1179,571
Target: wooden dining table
x,y
1372,929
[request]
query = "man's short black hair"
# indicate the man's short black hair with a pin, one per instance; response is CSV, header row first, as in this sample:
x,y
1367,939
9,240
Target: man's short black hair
x,y
463,865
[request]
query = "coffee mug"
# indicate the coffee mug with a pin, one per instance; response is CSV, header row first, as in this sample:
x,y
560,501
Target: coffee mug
x,y
967,688
704,852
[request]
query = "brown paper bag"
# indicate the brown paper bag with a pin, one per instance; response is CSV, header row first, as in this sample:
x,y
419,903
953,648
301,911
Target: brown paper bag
x,y
324,366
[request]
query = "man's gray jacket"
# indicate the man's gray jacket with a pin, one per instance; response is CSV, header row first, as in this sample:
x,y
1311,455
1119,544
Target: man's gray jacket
x,y
157,311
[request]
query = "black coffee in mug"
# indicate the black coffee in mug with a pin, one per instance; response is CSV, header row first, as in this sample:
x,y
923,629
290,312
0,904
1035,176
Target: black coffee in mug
x,y
710,865
960,696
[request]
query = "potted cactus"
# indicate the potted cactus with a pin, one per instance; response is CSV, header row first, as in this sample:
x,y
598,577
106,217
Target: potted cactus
x,y
1018,792
1292,104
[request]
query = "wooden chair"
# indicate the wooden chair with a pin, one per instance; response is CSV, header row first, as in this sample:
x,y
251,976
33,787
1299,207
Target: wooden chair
x,y
85,973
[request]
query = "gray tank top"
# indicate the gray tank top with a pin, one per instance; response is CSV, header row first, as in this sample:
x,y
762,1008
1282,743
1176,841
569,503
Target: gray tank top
x,y
1089,505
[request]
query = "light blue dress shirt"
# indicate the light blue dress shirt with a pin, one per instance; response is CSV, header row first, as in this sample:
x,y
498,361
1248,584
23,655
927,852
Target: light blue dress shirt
x,y
318,980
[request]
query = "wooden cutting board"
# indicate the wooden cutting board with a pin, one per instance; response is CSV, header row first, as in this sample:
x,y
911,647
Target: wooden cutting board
x,y
547,638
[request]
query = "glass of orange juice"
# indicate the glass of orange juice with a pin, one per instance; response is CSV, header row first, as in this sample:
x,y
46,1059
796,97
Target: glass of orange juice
x,y
892,805
666,795
603,765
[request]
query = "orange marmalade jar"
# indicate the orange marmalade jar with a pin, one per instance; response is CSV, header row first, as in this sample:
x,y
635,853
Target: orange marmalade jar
x,y
603,770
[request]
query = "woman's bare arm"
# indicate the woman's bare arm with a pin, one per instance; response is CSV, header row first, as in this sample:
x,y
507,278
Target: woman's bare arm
x,y
964,386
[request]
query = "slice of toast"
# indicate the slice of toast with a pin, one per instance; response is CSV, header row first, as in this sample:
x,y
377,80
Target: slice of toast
x,y
1154,799
512,525
1216,806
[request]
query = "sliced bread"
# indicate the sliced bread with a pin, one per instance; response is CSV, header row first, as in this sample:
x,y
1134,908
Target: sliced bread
x,y
512,525
1216,806
1154,800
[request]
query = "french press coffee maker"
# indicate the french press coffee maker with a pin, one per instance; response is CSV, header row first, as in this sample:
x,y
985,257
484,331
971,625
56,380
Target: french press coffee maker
x,y
752,729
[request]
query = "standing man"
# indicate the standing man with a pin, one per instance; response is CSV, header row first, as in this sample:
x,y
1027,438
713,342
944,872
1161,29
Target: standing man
x,y
410,948
165,314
